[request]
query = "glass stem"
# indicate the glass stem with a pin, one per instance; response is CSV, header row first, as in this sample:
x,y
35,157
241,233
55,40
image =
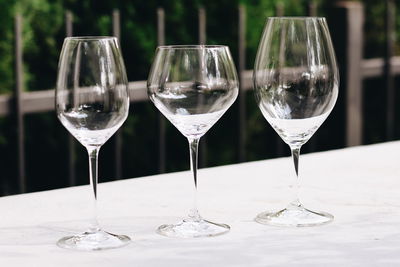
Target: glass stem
x,y
295,204
193,149
93,152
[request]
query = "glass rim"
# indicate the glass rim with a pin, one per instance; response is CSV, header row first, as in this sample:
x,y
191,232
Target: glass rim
x,y
296,17
90,38
193,47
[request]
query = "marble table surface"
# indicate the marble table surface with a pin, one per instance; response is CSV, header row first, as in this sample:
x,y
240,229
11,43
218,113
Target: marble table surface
x,y
360,186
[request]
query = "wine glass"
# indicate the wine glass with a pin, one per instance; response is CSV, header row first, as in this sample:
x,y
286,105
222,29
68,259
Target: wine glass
x,y
296,86
193,86
92,103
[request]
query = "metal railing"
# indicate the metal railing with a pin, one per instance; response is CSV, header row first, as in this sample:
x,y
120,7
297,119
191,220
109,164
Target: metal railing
x,y
353,70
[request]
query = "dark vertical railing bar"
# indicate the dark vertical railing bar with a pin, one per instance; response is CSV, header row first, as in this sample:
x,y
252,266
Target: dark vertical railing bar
x,y
161,119
202,40
279,9
312,9
71,139
349,43
388,76
242,92
116,30
280,145
19,88
354,94
116,24
312,12
202,26
68,23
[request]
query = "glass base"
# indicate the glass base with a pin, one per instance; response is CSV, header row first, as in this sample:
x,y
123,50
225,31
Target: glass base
x,y
295,217
98,240
193,228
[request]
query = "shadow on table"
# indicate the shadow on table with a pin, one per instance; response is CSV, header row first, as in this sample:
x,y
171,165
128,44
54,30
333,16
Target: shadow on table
x,y
137,228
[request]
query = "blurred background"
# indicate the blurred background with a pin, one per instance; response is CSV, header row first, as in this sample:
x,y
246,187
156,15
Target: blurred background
x,y
37,153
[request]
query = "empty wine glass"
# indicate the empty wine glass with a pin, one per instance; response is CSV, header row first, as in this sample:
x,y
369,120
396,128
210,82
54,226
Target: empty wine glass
x,y
92,103
296,86
193,86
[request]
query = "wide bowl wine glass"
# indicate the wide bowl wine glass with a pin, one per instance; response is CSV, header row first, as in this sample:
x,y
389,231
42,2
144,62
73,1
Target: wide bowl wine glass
x,y
193,86
296,86
92,103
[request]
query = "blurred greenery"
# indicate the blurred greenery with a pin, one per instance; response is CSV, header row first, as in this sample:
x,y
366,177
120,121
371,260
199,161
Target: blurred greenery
x,y
43,33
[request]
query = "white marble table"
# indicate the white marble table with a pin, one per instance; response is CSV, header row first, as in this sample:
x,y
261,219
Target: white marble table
x,y
360,186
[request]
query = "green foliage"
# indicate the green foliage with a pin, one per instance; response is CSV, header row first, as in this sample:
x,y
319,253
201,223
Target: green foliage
x,y
6,45
375,11
43,30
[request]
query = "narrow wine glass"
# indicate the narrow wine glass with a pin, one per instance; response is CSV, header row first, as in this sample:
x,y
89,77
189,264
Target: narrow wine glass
x,y
296,86
92,103
193,86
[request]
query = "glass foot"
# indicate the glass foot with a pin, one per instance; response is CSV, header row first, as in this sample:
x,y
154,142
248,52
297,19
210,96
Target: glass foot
x,y
193,228
297,217
98,240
